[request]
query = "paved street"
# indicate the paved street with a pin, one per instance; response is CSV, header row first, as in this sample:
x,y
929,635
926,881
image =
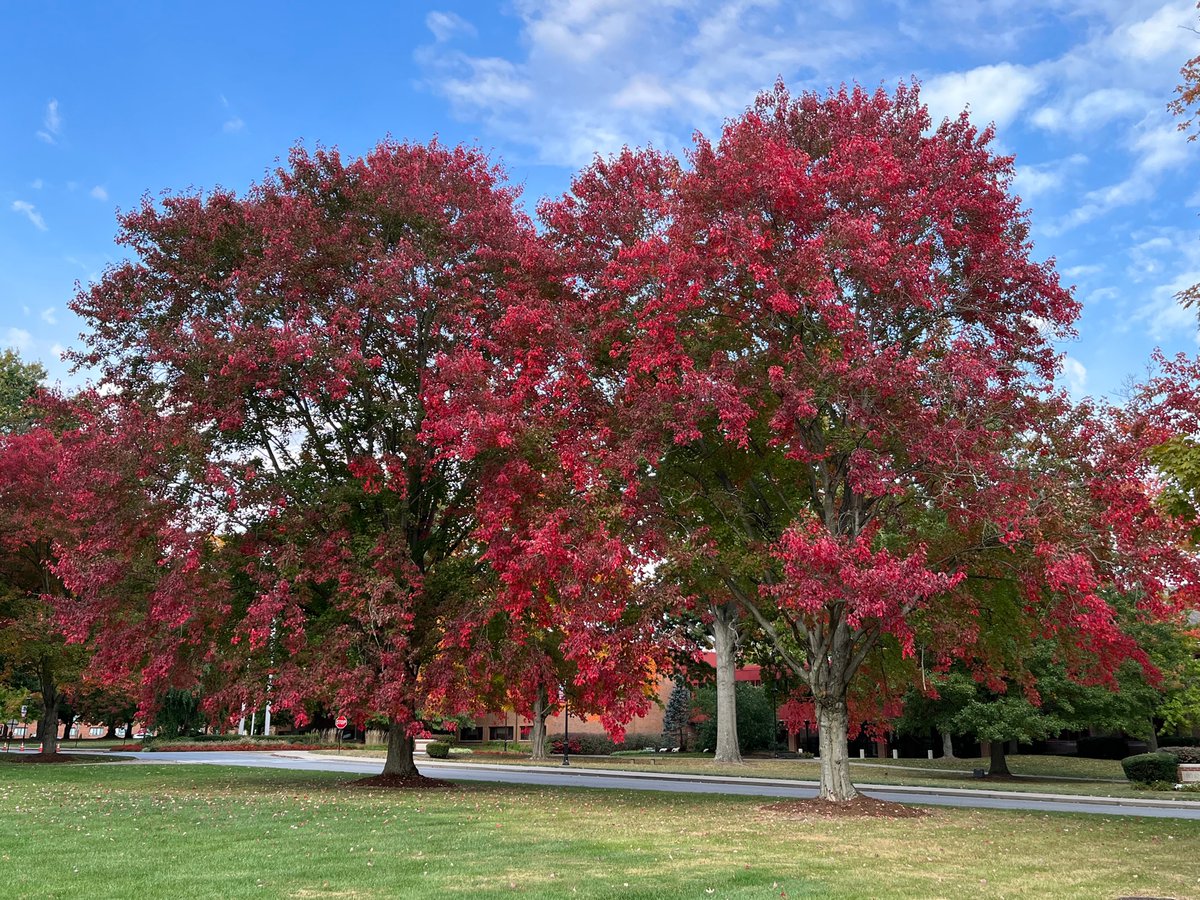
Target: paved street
x,y
580,776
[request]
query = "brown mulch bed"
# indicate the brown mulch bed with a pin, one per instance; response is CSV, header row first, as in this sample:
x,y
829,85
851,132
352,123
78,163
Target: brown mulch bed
x,y
48,758
402,783
860,807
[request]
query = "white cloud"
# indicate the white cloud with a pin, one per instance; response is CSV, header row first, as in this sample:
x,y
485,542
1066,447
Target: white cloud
x,y
446,25
48,316
1075,375
1163,315
57,350
29,211
593,75
233,124
1082,271
1093,109
18,339
36,184
1156,148
1160,148
995,93
1036,180
1147,258
1167,32
642,92
492,82
51,124
1101,295
99,192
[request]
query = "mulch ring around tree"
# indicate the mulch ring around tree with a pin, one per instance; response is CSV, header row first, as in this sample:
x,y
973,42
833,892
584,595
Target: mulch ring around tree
x,y
402,783
54,758
860,807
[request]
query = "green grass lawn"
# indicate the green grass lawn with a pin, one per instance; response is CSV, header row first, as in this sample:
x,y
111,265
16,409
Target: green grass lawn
x,y
1048,774
205,831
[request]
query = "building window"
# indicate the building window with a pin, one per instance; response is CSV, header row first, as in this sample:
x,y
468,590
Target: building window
x,y
470,733
500,733
525,731
96,731
19,731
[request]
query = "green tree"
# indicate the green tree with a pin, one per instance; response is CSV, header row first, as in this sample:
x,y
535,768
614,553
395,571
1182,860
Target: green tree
x,y
678,712
923,711
34,657
755,724
19,381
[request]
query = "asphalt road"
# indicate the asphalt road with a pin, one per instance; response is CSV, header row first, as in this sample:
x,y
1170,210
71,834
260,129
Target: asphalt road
x,y
580,777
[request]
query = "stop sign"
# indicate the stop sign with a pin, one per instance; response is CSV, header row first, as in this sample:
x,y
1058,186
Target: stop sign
x,y
341,721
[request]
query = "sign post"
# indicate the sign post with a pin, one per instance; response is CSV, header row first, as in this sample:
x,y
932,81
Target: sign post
x,y
341,722
24,710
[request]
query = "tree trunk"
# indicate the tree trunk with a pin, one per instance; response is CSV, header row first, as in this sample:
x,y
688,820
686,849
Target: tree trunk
x,y
833,722
724,628
537,730
400,753
48,727
947,745
1152,740
999,762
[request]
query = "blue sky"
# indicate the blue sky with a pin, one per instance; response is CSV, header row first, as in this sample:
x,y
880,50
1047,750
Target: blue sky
x,y
104,103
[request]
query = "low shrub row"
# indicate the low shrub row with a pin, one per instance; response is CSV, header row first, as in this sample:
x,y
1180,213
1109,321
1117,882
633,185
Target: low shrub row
x,y
174,743
1151,768
438,750
603,745
1187,755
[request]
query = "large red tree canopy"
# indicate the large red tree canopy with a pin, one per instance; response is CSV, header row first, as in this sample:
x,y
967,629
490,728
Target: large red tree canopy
x,y
362,348
823,355
810,372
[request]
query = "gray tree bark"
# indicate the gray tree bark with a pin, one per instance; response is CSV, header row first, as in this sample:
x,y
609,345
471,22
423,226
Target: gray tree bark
x,y
724,630
833,722
48,726
537,731
999,762
400,753
1152,740
947,745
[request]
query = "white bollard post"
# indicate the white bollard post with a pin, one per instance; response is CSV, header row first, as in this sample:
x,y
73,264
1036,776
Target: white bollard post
x,y
930,754
895,754
862,754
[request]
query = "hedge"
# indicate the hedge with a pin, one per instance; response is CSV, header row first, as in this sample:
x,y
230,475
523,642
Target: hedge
x,y
584,744
1188,755
438,749
1150,768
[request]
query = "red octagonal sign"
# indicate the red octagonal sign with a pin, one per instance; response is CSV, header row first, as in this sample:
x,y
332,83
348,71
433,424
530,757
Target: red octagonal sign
x,y
341,721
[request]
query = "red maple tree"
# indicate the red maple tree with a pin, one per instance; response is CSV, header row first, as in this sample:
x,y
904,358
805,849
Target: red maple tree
x,y
365,353
824,346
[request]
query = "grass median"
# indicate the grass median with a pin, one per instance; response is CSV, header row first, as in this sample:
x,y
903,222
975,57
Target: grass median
x,y
207,831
